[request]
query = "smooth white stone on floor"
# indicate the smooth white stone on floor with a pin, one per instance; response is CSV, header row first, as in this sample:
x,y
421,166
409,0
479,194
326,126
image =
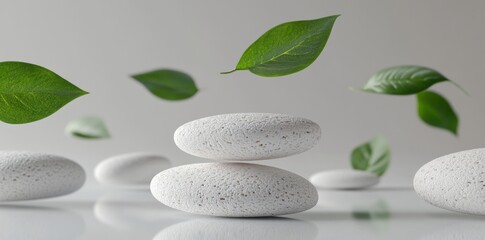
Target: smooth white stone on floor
x,y
28,175
233,190
344,179
130,170
247,136
455,182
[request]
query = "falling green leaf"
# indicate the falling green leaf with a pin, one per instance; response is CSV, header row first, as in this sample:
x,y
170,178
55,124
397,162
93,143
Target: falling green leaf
x,y
373,156
29,92
87,127
168,84
287,48
434,110
403,80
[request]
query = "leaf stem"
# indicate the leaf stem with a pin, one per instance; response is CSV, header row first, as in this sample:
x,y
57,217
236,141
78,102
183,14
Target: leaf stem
x,y
229,71
458,86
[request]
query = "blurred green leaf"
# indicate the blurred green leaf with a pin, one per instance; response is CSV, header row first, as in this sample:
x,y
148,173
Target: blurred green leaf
x,y
373,156
88,128
435,111
168,84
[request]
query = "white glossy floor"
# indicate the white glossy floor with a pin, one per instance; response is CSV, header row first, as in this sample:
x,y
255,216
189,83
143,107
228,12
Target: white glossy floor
x,y
381,213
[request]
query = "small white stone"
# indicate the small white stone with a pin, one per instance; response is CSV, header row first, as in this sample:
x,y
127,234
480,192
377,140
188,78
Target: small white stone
x,y
130,170
344,179
233,190
455,182
247,136
28,175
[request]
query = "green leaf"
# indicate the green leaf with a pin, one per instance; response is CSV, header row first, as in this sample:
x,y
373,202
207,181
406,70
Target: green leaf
x,y
87,127
434,110
168,84
403,80
29,92
287,48
373,156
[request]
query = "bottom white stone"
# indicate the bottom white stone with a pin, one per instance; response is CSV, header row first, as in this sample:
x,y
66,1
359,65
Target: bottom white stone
x,y
233,190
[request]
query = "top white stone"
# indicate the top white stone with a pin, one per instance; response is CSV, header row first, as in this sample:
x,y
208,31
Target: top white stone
x,y
247,136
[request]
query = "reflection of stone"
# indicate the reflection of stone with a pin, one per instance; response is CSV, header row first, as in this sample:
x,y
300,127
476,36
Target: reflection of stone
x,y
140,211
39,223
456,231
346,200
232,228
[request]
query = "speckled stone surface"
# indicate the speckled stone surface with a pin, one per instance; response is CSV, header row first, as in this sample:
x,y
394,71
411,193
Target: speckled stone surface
x,y
28,175
344,179
131,169
233,190
455,182
247,136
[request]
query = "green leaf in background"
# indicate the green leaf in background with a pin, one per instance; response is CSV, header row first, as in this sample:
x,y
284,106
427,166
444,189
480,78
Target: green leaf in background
x,y
434,110
168,84
373,156
287,48
29,92
88,128
403,80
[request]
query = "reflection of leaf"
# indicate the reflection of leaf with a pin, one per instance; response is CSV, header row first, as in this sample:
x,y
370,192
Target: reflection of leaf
x,y
377,211
373,156
168,84
403,80
88,128
29,92
434,110
287,48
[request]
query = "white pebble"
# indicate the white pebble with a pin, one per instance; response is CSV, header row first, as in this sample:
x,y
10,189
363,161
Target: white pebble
x,y
28,175
233,190
130,170
344,179
247,136
455,182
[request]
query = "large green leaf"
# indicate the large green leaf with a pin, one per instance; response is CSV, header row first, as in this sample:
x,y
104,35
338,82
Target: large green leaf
x,y
168,84
434,110
403,80
87,127
287,48
29,92
373,156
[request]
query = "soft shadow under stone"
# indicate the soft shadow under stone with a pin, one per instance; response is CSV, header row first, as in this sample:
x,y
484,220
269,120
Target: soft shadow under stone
x,y
233,228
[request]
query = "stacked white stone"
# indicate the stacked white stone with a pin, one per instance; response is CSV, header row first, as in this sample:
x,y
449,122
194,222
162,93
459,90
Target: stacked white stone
x,y
235,189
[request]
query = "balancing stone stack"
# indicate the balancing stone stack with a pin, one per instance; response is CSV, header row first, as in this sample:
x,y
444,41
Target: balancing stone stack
x,y
235,189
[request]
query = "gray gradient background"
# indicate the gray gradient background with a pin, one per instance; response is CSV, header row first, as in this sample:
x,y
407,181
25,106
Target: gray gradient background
x,y
98,44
